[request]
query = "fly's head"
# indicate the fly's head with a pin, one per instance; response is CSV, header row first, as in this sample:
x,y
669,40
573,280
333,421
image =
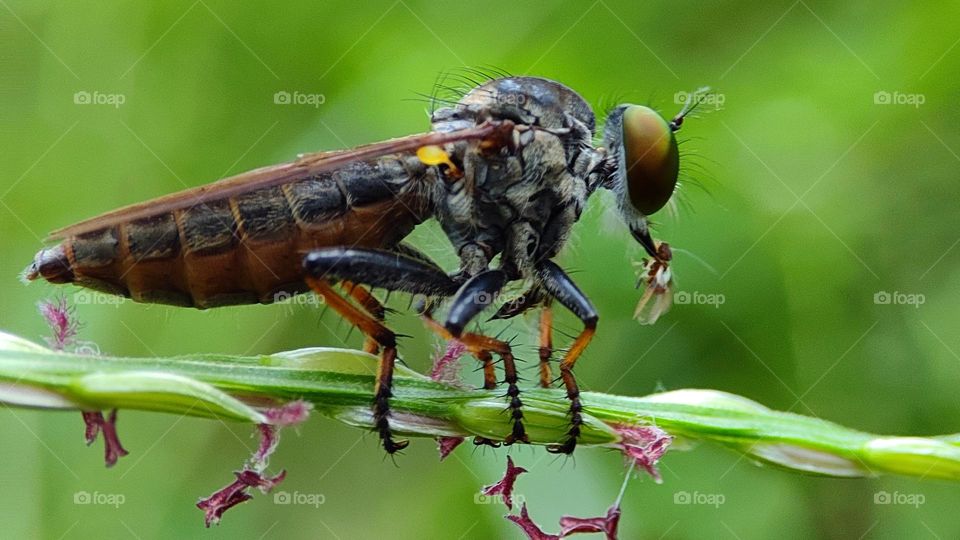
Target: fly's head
x,y
642,168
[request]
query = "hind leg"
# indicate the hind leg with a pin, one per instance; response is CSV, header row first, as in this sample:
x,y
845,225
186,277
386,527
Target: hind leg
x,y
381,269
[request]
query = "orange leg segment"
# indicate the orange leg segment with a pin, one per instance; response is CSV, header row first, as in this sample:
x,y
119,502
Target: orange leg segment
x,y
481,347
384,337
556,282
365,298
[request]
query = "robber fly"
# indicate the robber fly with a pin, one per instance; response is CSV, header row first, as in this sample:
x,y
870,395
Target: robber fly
x,y
506,171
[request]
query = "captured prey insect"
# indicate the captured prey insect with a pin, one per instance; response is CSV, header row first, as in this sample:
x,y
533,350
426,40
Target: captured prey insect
x,y
506,171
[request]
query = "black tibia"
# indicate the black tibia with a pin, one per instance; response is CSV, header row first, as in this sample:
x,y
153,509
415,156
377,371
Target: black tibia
x,y
409,251
382,269
475,295
379,269
559,285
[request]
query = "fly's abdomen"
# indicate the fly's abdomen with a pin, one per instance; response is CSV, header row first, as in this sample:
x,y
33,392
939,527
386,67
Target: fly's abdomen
x,y
246,249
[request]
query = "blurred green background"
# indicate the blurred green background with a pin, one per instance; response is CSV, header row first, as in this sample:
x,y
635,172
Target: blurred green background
x,y
821,195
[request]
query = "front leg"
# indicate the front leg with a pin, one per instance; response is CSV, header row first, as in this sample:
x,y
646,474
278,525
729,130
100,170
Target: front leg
x,y
559,285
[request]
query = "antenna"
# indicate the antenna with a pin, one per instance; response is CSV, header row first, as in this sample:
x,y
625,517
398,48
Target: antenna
x,y
694,99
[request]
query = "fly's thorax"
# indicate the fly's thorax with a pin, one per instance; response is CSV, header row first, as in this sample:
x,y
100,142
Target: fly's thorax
x,y
527,190
531,101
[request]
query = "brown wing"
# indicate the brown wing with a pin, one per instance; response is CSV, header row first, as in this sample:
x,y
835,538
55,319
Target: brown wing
x,y
305,166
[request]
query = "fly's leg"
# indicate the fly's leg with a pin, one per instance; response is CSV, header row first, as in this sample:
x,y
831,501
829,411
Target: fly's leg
x,y
546,344
385,338
559,285
479,346
482,348
365,298
380,269
475,295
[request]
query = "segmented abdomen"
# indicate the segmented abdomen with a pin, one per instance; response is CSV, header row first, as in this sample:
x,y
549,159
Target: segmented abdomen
x,y
246,249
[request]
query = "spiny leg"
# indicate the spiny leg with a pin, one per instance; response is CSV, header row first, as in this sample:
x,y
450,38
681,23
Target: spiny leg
x,y
483,348
428,305
475,295
380,269
374,329
556,282
478,345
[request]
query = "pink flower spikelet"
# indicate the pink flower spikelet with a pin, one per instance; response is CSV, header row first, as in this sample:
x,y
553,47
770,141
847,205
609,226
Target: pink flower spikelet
x,y
59,317
446,369
252,475
604,524
531,529
504,487
445,445
235,493
644,445
64,329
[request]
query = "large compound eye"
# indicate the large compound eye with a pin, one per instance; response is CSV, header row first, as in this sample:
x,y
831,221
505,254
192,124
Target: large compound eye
x,y
651,158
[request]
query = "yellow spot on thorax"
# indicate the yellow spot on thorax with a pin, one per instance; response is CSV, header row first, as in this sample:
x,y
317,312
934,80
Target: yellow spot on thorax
x,y
434,155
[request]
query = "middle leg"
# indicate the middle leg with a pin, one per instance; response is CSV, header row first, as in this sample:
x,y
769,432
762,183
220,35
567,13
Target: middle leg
x,y
473,297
